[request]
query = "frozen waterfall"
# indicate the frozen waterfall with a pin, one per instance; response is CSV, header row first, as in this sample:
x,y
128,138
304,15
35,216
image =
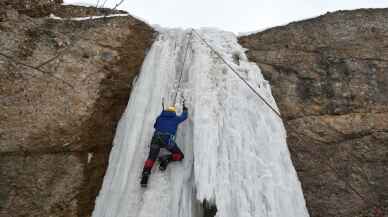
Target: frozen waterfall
x,y
236,155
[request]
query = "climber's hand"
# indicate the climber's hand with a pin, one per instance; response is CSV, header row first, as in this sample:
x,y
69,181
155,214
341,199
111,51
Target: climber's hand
x,y
184,106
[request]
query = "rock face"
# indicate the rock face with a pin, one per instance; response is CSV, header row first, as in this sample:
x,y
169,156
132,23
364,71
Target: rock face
x,y
43,8
68,11
33,8
329,76
63,87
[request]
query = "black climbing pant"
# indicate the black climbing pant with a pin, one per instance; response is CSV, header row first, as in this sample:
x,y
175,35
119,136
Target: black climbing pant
x,y
160,140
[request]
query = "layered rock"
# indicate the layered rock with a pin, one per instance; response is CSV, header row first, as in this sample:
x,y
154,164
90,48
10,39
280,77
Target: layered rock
x,y
63,86
44,8
33,8
329,76
69,11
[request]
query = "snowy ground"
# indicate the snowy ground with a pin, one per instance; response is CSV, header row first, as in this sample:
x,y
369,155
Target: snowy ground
x,y
235,148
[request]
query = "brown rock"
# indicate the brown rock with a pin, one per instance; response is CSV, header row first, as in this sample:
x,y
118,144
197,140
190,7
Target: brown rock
x,y
63,87
33,8
43,8
40,185
329,76
68,11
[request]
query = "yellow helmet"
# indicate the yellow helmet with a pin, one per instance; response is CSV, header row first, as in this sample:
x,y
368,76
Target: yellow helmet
x,y
171,109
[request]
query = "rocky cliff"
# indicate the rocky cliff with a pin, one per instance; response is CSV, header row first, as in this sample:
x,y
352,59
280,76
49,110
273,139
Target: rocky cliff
x,y
63,86
329,76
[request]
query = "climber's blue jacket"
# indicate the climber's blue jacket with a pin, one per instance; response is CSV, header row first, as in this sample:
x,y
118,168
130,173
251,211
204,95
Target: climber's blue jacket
x,y
168,122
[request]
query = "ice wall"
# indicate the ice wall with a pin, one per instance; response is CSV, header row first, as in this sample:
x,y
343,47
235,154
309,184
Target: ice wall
x,y
235,148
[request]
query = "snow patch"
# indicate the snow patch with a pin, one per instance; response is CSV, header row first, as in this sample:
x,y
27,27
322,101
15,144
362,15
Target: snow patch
x,y
89,3
90,156
52,16
85,3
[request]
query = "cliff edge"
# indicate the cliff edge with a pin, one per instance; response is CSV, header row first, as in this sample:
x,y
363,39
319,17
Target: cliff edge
x,y
329,76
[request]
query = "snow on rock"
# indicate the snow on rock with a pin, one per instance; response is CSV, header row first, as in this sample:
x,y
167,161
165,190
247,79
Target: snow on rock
x,y
236,155
52,16
85,3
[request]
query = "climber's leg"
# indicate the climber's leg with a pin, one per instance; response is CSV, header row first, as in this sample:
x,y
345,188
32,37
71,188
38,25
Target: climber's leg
x,y
149,163
176,155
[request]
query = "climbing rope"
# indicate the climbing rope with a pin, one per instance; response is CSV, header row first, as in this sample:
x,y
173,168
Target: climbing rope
x,y
183,65
235,72
377,211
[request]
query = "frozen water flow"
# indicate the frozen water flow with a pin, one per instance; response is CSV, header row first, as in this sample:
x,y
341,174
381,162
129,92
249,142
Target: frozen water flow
x,y
235,148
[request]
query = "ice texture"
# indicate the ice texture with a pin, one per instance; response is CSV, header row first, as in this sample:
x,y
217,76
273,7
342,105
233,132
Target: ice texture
x,y
236,155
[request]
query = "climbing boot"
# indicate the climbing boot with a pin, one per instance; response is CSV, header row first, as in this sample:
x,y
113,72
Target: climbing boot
x,y
164,161
144,178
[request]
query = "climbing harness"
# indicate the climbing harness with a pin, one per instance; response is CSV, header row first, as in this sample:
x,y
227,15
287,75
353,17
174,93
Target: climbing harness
x,y
183,65
235,72
159,138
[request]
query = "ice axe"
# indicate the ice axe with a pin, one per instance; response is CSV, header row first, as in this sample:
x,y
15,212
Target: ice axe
x,y
184,102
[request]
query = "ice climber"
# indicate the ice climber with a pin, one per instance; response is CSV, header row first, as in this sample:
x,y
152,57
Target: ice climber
x,y
164,137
